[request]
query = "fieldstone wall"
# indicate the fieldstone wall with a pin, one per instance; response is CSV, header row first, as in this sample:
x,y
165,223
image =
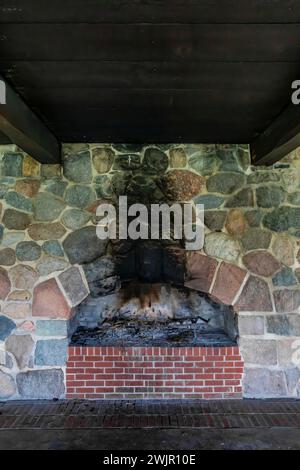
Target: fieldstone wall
x,y
251,257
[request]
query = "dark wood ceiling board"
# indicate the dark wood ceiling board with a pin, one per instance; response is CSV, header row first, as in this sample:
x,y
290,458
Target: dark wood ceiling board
x,y
257,76
239,42
153,11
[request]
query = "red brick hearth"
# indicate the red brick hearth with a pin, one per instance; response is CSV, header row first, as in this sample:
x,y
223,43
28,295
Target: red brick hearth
x,y
154,372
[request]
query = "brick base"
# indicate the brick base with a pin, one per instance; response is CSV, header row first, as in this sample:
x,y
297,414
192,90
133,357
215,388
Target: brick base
x,y
152,372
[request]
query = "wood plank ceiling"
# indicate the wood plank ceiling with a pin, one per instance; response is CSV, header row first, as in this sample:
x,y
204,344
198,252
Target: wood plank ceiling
x,y
151,70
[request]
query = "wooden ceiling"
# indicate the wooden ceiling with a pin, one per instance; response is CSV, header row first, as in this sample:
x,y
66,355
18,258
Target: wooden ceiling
x,y
151,70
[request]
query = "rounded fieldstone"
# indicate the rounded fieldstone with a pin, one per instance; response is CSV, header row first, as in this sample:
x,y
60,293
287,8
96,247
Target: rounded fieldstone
x,y
178,158
209,201
21,347
255,238
243,198
80,196
45,231
28,188
261,263
285,277
28,251
22,276
214,220
3,190
294,198
283,249
75,218
53,248
228,161
18,201
47,207
78,167
11,238
83,245
119,182
155,162
19,295
56,186
7,385
51,171
4,284
225,183
7,257
269,196
181,185
220,245
254,217
204,164
282,218
6,327
126,162
15,220
103,159
50,264
128,147
103,186
235,223
31,167
12,164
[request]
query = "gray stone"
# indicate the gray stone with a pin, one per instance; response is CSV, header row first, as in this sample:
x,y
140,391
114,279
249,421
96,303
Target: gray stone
x,y
7,257
155,161
243,198
254,217
294,198
251,325
78,167
243,158
225,183
51,328
292,379
99,269
15,220
103,186
103,159
47,207
53,248
283,249
282,219
104,286
128,161
12,238
128,147
12,164
51,171
215,220
119,182
46,231
286,300
51,352
73,285
75,218
56,186
7,385
259,351
22,276
3,190
204,164
284,325
285,277
47,384
6,327
21,347
255,238
263,177
220,245
28,251
15,199
264,383
80,196
50,264
228,160
83,245
269,196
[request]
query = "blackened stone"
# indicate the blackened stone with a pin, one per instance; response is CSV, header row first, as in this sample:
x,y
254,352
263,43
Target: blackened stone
x,y
128,147
46,384
254,217
12,164
15,220
204,164
78,167
243,198
80,196
119,182
83,245
28,251
283,218
209,201
269,196
99,269
128,161
215,220
228,161
283,325
174,265
255,238
149,262
285,277
6,327
155,161
7,257
73,285
225,183
103,186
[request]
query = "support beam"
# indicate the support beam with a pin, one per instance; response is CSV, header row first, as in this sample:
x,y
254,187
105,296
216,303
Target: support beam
x,y
25,129
281,137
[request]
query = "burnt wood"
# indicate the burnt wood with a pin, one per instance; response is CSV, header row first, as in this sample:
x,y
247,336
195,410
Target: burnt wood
x,y
23,127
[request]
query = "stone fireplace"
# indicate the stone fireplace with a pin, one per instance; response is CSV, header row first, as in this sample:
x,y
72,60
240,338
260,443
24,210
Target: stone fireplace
x,y
86,318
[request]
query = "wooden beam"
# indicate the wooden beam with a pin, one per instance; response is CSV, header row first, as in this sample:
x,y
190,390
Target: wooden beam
x,y
281,137
25,129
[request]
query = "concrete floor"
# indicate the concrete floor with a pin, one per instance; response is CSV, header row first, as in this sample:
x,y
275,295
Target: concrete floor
x,y
161,425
